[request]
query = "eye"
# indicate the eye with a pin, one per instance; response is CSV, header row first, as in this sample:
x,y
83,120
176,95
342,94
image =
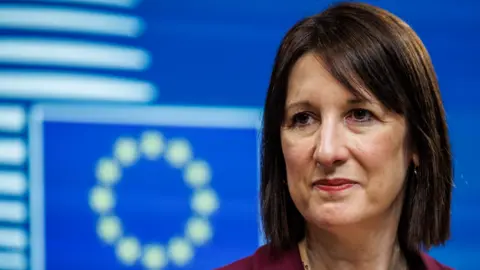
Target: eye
x,y
360,115
302,119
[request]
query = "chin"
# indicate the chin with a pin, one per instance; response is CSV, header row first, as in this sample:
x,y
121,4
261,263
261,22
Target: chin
x,y
329,216
332,222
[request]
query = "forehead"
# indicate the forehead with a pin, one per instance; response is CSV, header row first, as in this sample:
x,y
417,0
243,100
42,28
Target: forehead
x,y
309,77
307,70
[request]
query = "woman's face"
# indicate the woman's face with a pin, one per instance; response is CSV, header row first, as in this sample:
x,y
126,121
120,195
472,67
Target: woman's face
x,y
346,158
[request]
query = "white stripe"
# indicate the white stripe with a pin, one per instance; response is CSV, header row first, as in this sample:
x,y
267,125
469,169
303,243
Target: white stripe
x,y
12,151
12,211
13,238
112,3
12,183
36,192
72,54
12,118
180,116
71,86
69,20
13,261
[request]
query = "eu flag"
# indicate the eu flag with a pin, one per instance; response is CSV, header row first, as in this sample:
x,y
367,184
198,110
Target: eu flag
x,y
143,187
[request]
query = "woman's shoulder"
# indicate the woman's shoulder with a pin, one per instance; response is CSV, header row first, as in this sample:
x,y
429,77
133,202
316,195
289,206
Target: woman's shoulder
x,y
432,264
242,264
265,258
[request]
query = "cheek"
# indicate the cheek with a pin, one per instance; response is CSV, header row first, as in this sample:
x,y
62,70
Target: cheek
x,y
297,155
377,149
383,157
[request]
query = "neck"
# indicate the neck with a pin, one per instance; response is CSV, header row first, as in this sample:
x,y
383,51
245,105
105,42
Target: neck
x,y
352,248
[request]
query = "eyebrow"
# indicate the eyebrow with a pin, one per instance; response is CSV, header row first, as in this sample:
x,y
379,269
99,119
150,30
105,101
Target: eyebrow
x,y
358,100
299,104
308,104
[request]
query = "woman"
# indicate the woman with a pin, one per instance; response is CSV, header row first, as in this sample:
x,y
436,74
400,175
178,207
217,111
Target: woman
x,y
356,163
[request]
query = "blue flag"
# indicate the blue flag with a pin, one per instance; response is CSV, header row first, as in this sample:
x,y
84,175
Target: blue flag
x,y
144,187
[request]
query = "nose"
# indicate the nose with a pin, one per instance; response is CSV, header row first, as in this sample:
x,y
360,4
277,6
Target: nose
x,y
331,148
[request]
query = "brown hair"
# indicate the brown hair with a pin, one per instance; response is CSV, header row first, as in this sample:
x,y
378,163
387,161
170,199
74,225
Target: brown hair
x,y
365,47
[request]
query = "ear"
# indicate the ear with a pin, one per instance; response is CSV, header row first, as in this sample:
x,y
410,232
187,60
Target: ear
x,y
415,159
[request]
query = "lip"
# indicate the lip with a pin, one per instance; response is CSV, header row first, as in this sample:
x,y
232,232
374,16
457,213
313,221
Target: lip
x,y
334,184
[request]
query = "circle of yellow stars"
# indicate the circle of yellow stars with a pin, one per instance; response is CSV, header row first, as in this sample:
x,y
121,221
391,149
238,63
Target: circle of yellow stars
x,y
179,250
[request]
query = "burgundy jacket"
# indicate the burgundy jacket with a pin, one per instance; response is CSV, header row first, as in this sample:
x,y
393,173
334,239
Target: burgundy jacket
x,y
290,260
